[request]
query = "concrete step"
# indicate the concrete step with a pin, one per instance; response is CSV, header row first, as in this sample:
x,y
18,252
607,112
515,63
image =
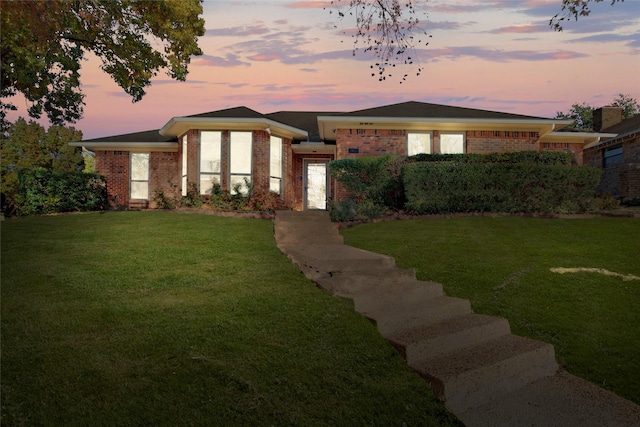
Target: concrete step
x,y
348,284
295,234
319,261
428,341
392,297
428,312
472,376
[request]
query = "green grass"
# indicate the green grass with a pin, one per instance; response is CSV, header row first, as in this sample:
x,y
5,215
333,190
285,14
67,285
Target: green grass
x,y
164,318
502,265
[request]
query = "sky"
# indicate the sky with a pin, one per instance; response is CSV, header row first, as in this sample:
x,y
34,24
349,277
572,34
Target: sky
x,y
294,55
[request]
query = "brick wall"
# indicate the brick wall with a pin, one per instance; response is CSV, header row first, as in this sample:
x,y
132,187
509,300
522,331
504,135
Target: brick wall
x,y
114,165
484,142
164,175
370,142
261,160
621,180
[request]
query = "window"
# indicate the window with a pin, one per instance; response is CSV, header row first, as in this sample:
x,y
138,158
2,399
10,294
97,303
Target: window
x,y
140,176
418,143
275,165
210,149
612,156
184,165
240,149
451,143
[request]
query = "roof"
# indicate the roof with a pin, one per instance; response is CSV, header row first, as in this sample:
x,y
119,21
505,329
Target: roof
x,y
423,109
237,112
621,130
150,140
307,120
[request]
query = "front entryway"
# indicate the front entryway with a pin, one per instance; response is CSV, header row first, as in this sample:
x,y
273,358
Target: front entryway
x,y
316,184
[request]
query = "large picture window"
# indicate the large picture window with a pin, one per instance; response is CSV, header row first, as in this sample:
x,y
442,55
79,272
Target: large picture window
x,y
240,149
210,160
275,165
184,165
451,143
140,176
418,143
612,156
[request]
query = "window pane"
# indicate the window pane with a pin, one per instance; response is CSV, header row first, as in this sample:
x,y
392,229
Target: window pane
x,y
140,190
276,157
140,166
451,143
240,153
184,165
239,179
418,143
207,181
274,185
210,143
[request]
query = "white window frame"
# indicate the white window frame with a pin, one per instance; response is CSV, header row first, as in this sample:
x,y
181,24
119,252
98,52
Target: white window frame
x,y
276,164
238,157
209,171
464,143
139,179
184,166
409,145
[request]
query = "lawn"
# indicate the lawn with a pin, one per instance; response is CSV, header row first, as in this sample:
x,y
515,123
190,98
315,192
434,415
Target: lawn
x,y
502,265
165,318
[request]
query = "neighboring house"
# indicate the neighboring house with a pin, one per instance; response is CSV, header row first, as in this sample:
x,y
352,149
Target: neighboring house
x,y
619,156
288,152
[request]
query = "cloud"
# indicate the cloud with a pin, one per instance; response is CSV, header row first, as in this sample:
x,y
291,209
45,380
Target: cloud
x,y
256,29
521,29
632,40
229,60
497,55
306,4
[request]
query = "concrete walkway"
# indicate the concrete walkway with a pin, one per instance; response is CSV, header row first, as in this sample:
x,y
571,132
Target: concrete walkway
x,y
485,375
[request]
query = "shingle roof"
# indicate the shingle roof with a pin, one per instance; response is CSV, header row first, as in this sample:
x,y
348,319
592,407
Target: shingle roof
x,y
629,125
424,110
236,113
146,136
306,120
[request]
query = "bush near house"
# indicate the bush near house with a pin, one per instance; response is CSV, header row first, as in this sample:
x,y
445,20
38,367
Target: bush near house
x,y
43,191
526,181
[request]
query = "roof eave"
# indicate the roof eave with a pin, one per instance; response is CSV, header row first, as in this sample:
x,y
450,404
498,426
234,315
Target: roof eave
x,y
328,124
178,126
140,147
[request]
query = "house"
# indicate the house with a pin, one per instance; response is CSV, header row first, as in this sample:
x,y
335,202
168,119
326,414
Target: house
x,y
618,156
288,152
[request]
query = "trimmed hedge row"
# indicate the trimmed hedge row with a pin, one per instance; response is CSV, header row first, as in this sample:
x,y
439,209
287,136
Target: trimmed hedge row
x,y
493,187
527,181
44,191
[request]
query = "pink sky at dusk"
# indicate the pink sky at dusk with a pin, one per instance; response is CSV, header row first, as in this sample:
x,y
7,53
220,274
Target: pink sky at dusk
x,y
287,55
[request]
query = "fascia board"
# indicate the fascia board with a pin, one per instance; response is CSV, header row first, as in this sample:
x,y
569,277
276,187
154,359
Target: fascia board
x,y
575,137
327,124
140,147
179,125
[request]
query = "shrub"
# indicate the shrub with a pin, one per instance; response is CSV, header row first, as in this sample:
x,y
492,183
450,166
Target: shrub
x,y
442,187
44,191
534,157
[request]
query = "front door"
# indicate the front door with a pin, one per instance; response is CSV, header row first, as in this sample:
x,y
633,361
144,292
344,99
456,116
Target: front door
x,y
316,184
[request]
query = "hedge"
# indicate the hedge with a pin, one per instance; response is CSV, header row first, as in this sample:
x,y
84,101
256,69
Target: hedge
x,y
535,157
44,191
444,187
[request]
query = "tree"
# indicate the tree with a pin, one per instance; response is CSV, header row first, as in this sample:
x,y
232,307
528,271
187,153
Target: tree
x,y
582,114
43,42
389,29
27,145
573,9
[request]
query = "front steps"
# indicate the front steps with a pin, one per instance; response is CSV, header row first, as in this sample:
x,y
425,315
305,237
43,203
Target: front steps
x,y
472,362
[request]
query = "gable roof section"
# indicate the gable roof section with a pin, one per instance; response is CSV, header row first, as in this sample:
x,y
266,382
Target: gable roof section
x,y
421,116
150,140
307,120
234,119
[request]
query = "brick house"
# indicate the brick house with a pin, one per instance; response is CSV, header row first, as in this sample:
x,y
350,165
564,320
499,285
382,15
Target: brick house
x,y
618,156
288,152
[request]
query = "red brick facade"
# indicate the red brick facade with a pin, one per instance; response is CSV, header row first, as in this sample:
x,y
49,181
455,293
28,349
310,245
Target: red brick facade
x,y
114,166
622,179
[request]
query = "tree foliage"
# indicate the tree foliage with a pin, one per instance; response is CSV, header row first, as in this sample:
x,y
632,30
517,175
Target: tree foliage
x,y
27,145
573,9
582,114
43,43
390,29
